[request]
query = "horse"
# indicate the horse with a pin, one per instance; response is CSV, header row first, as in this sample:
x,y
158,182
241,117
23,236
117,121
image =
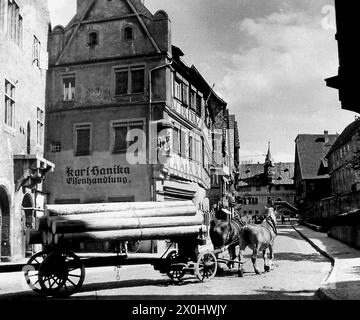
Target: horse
x,y
259,238
226,233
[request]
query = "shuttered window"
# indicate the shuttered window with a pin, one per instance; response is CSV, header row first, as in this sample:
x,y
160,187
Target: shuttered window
x,y
176,140
83,140
130,80
121,130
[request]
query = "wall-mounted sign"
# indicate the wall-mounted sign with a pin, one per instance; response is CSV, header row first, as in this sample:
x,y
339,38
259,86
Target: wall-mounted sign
x,y
97,175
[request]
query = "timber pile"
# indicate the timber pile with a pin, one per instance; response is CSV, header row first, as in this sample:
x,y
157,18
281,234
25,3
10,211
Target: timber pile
x,y
116,222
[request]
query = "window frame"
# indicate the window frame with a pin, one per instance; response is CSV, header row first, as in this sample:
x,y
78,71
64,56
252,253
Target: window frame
x,y
36,51
120,123
40,122
12,99
128,27
75,142
90,41
128,69
68,76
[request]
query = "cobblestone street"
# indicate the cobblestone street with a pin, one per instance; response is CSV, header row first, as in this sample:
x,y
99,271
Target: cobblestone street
x,y
298,273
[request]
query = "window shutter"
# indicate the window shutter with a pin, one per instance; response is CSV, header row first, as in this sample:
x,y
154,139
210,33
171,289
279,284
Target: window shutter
x,y
120,145
83,141
122,85
138,81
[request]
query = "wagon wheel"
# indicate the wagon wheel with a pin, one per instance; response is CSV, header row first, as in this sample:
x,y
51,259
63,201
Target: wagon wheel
x,y
61,274
206,266
176,272
31,271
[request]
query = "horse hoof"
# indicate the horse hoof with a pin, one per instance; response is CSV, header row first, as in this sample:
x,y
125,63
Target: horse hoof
x,y
258,273
267,269
241,274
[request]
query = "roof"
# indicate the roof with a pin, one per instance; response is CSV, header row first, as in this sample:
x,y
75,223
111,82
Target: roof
x,y
253,174
311,152
346,136
138,5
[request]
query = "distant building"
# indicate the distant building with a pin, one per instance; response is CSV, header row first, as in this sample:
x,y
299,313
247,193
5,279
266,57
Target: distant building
x,y
312,179
349,65
24,28
344,169
266,184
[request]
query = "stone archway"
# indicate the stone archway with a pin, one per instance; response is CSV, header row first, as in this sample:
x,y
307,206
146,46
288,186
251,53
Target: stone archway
x,y
28,222
5,252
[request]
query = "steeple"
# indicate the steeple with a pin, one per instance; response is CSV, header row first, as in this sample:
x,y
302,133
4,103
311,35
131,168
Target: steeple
x,y
269,160
268,167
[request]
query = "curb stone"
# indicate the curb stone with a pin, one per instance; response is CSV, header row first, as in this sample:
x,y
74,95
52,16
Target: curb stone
x,y
322,293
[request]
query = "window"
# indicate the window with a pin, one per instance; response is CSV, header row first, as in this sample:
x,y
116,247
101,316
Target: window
x,y
183,143
55,147
198,104
129,80
121,130
36,51
192,99
2,5
185,93
15,22
258,188
83,140
40,127
69,87
9,104
255,201
129,33
191,147
93,38
178,91
277,188
176,140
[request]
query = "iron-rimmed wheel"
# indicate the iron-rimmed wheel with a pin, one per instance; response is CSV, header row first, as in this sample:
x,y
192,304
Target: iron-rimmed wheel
x,y
31,271
206,266
175,272
61,274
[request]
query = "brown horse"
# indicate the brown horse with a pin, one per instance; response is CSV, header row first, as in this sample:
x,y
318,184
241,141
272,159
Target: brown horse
x,y
259,238
226,233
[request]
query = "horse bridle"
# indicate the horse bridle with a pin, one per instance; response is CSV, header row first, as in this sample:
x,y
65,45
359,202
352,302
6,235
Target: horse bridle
x,y
272,224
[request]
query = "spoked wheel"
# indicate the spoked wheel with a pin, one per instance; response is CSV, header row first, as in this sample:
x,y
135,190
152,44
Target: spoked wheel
x,y
176,270
206,267
61,274
31,271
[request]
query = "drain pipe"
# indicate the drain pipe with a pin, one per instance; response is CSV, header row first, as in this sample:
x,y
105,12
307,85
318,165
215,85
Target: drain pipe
x,y
169,64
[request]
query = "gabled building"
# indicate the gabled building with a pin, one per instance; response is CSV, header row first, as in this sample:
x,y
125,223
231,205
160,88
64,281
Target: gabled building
x,y
24,28
265,184
312,179
128,120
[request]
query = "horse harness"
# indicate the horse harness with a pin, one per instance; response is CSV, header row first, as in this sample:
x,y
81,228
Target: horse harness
x,y
272,224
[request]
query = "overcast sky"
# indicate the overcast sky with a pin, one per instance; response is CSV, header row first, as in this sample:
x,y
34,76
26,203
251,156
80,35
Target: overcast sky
x,y
268,60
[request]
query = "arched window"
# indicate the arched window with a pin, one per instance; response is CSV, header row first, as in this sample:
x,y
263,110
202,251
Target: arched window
x,y
129,33
93,38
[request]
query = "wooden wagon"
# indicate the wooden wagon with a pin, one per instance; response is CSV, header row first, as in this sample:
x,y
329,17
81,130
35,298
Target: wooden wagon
x,y
59,272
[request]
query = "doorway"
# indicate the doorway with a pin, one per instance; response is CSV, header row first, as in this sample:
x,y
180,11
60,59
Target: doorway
x,y
5,252
28,222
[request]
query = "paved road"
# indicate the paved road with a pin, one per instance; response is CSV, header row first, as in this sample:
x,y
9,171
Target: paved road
x,y
298,272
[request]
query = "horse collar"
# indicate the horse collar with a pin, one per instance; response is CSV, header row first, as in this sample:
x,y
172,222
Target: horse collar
x,y
272,224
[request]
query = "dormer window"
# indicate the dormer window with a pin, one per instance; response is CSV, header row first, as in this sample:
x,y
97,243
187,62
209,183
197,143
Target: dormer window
x,y
93,38
129,33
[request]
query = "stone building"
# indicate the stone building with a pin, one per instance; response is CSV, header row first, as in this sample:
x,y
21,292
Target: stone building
x,y
312,179
24,28
265,184
127,119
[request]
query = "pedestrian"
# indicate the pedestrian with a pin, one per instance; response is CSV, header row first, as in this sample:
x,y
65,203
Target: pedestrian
x,y
283,219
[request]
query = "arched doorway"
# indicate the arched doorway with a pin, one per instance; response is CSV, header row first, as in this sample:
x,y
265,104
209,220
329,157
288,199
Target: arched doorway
x,y
5,252
28,138
28,222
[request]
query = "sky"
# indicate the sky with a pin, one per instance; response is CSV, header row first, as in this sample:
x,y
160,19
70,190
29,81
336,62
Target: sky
x,y
268,60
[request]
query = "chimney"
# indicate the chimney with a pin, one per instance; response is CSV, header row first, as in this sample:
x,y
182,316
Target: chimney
x,y
326,137
82,5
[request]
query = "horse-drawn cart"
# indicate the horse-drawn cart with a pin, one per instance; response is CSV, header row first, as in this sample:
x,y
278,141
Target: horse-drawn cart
x,y
59,272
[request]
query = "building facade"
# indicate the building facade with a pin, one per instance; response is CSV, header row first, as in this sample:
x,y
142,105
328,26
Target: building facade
x,y
349,66
24,28
265,184
312,179
127,119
